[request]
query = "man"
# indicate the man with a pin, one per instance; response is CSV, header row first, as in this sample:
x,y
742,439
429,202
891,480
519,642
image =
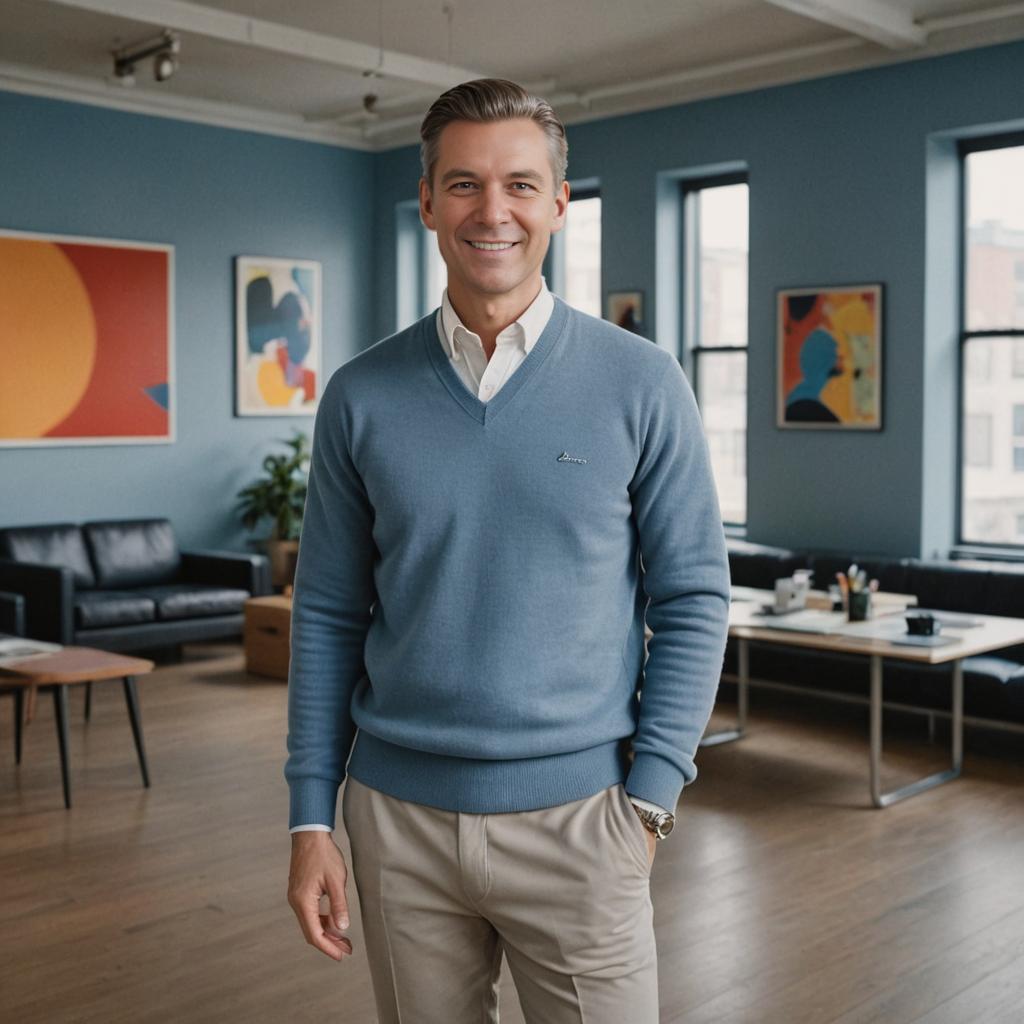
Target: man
x,y
470,597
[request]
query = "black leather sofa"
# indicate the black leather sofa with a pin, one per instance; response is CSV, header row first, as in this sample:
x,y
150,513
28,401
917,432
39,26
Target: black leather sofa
x,y
124,585
993,683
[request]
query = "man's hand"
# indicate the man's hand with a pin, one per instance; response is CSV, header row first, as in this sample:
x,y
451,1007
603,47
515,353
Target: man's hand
x,y
318,867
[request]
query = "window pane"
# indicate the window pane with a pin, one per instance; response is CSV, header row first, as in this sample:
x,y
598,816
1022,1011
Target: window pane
x,y
723,265
435,278
978,440
722,388
583,255
993,491
995,239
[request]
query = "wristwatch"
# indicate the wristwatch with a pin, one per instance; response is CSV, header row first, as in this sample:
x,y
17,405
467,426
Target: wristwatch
x,y
660,823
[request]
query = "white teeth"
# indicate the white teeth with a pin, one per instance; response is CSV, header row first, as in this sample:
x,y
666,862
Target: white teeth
x,y
492,246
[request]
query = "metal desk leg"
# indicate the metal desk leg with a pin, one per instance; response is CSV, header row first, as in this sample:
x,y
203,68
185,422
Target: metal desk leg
x,y
742,690
880,799
132,700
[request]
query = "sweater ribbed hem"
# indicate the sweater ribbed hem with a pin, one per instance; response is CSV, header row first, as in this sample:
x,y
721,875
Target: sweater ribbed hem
x,y
655,779
312,802
474,786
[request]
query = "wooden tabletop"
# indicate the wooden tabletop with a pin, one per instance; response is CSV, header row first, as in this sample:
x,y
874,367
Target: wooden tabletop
x,y
74,665
872,637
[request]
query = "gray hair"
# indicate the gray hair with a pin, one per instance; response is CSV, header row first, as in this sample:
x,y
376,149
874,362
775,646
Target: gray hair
x,y
491,99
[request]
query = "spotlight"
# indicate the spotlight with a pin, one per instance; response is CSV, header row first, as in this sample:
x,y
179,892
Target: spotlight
x,y
163,49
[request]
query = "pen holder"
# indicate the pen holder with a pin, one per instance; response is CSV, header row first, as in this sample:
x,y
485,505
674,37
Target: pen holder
x,y
858,605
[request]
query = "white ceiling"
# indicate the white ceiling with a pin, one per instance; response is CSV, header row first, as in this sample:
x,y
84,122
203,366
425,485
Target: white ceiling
x,y
302,67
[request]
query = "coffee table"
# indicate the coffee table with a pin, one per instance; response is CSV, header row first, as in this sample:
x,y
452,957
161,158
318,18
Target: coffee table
x,y
69,667
876,639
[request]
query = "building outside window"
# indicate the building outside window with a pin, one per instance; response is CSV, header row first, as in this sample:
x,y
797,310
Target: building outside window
x,y
715,313
992,359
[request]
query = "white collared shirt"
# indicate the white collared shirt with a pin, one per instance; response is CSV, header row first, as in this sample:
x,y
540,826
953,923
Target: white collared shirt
x,y
482,376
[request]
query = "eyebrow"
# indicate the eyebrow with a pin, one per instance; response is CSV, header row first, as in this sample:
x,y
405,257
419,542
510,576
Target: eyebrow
x,y
460,173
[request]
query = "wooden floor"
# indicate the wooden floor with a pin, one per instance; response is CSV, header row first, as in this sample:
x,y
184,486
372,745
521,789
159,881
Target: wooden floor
x,y
782,898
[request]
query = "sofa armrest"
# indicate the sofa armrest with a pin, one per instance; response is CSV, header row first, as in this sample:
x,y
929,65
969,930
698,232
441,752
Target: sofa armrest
x,y
48,592
12,614
227,569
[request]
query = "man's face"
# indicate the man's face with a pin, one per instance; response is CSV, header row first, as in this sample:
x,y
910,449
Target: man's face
x,y
494,206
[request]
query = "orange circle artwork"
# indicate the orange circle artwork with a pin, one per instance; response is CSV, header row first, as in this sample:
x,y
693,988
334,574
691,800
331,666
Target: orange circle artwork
x,y
49,338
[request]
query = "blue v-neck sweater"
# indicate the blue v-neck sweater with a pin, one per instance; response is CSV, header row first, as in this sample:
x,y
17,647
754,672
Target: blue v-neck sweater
x,y
473,579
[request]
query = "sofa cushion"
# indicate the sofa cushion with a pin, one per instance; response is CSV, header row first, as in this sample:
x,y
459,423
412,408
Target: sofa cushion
x,y
192,600
96,608
61,544
133,553
758,565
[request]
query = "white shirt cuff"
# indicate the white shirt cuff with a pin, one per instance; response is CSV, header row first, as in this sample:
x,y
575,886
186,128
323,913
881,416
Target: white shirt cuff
x,y
647,805
310,828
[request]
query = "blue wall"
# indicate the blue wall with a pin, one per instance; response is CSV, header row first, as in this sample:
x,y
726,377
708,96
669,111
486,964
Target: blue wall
x,y
840,170
852,180
213,194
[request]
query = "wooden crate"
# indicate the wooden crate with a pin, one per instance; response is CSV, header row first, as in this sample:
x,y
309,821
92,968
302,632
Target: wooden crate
x,y
268,623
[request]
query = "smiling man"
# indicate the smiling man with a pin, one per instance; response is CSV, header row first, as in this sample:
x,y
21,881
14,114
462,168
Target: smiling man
x,y
499,497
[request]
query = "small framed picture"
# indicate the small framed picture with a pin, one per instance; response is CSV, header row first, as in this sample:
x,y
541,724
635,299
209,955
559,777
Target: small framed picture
x,y
626,309
277,336
829,351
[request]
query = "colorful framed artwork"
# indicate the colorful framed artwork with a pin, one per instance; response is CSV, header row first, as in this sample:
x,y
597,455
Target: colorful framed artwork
x,y
626,309
86,341
277,336
829,349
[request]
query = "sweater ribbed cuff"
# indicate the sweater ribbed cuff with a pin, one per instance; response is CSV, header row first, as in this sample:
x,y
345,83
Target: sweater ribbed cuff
x,y
653,778
312,801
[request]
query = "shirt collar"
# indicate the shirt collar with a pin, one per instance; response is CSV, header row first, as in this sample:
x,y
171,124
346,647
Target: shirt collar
x,y
530,324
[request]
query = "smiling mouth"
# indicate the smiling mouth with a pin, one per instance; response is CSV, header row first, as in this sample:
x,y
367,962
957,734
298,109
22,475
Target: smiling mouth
x,y
491,246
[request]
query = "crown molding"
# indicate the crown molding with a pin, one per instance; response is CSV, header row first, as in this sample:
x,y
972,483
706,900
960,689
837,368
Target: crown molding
x,y
81,89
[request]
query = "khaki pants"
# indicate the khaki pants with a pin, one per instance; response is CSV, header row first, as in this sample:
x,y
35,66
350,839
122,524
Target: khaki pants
x,y
564,892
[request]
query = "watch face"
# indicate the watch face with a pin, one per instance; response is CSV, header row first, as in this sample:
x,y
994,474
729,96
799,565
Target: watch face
x,y
666,825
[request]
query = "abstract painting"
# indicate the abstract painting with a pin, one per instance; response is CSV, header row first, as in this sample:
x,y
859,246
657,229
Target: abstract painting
x,y
86,341
830,358
277,343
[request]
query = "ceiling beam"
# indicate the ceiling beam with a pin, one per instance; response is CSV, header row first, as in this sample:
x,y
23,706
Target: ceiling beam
x,y
870,19
269,35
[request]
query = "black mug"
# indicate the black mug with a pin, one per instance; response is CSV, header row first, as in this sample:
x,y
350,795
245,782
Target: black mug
x,y
922,624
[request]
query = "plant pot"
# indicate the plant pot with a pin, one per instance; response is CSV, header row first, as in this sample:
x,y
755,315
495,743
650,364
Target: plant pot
x,y
283,555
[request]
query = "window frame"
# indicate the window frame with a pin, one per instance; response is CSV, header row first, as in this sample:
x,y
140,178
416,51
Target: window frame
x,y
1005,140
691,291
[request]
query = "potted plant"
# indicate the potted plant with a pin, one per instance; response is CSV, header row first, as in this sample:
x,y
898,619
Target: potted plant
x,y
279,495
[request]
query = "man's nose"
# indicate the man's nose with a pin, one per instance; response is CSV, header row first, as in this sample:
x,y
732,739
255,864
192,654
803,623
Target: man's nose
x,y
493,206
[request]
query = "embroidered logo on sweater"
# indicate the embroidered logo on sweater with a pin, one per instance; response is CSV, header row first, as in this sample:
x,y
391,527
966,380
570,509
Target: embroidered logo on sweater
x,y
566,457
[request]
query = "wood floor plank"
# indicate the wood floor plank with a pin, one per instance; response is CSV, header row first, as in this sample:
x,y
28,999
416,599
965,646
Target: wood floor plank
x,y
782,899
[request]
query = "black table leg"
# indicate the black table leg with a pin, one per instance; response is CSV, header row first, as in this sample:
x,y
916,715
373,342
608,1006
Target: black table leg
x,y
19,714
132,700
88,700
60,707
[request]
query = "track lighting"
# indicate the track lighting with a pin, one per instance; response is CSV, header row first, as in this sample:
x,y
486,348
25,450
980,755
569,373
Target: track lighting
x,y
163,49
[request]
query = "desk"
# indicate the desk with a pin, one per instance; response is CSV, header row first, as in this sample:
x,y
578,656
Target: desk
x,y
875,639
68,667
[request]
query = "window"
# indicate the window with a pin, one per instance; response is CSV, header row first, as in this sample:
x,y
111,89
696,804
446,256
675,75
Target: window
x,y
992,343
576,255
715,259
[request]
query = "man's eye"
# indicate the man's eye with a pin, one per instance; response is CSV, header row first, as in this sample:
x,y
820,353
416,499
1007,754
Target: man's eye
x,y
522,186
462,186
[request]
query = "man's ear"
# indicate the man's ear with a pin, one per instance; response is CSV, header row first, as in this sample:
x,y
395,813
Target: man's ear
x,y
561,207
426,205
